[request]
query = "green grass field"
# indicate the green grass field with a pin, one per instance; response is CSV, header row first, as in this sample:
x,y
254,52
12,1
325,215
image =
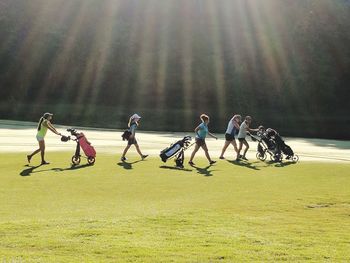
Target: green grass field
x,y
147,211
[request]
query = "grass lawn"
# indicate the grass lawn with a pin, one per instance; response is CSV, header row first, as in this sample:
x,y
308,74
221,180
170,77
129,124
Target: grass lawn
x,y
148,211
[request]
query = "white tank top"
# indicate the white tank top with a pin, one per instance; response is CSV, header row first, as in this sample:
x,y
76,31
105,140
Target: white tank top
x,y
230,127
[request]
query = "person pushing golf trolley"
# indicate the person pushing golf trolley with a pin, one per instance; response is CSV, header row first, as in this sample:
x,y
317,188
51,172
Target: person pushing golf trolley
x,y
244,130
44,125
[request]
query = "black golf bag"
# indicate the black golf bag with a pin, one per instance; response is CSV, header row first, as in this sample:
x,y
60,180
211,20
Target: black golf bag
x,y
283,146
176,150
271,142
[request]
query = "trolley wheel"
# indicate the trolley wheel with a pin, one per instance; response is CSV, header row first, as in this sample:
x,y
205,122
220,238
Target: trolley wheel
x,y
76,160
295,158
91,160
276,158
261,157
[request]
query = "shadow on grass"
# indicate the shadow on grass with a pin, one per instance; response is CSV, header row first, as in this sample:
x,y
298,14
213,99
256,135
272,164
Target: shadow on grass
x,y
127,165
204,171
30,170
72,167
175,168
245,164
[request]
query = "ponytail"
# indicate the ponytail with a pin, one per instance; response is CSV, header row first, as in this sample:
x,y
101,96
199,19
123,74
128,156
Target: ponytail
x,y
40,122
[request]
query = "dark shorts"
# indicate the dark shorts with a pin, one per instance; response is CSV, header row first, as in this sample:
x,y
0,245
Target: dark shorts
x,y
242,139
229,137
200,142
132,141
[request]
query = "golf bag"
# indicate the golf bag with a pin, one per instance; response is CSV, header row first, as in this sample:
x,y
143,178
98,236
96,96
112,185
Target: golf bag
x,y
271,143
176,150
85,145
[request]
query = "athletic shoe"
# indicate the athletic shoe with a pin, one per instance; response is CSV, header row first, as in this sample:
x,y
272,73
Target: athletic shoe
x,y
44,162
28,158
222,157
244,158
212,162
144,156
191,163
123,159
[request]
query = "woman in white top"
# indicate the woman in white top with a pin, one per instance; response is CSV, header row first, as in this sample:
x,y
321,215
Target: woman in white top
x,y
243,131
231,131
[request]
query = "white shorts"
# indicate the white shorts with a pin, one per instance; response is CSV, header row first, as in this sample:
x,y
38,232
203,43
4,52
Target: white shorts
x,y
39,138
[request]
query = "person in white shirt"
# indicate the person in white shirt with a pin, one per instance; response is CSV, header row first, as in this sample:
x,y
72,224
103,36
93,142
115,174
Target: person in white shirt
x,y
243,131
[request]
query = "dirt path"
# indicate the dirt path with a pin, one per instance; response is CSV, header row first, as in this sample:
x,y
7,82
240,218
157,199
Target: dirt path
x,y
20,137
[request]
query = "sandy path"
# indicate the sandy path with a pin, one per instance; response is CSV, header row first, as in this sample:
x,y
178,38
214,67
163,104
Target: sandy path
x,y
20,137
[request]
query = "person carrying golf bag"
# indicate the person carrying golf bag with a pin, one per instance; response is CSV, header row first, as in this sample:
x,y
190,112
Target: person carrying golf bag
x,y
130,136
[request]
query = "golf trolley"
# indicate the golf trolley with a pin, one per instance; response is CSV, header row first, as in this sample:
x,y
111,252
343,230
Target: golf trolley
x,y
176,150
82,143
273,146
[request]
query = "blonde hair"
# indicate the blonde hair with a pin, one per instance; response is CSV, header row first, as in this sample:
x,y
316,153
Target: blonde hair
x,y
204,117
237,116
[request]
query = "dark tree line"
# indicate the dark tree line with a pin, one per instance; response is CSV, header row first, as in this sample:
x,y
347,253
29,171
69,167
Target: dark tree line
x,y
93,63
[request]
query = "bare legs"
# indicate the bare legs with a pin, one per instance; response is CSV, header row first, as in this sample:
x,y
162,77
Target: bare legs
x,y
240,148
227,143
205,148
41,150
137,149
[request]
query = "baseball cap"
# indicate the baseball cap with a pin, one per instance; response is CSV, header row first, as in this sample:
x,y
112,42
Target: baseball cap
x,y
47,114
135,116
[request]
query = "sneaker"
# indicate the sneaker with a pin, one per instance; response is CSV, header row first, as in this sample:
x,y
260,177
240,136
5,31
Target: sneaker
x,y
44,163
190,163
28,158
222,157
123,159
212,162
244,158
144,156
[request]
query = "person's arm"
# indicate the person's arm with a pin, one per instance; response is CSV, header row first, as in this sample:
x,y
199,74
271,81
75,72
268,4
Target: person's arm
x,y
252,130
235,124
197,129
52,128
213,136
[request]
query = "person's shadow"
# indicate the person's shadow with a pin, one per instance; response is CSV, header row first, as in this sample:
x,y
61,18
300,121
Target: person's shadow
x,y
30,170
244,164
127,165
175,168
204,171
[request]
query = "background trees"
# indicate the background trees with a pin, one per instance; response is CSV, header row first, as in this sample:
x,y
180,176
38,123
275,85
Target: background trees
x,y
93,63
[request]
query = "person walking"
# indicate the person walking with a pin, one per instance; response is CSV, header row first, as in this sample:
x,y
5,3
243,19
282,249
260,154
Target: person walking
x,y
132,126
243,131
201,132
231,131
44,125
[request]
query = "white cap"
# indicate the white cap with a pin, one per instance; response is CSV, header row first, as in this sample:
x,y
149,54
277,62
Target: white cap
x,y
135,116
